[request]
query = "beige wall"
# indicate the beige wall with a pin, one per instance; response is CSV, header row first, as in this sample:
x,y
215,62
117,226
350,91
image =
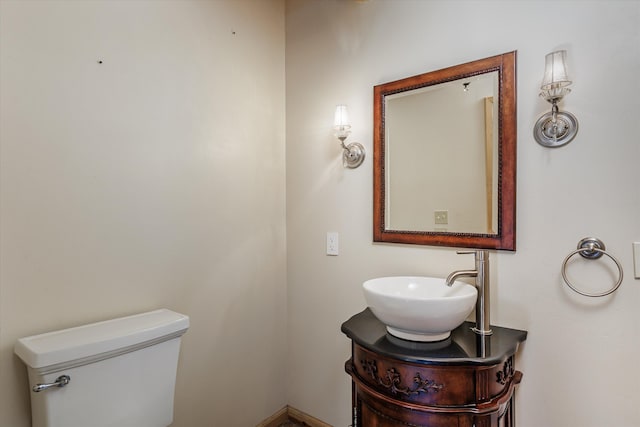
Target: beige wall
x,y
154,179
580,361
158,179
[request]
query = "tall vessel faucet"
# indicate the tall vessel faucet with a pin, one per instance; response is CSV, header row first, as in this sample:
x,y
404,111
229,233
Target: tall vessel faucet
x,y
481,273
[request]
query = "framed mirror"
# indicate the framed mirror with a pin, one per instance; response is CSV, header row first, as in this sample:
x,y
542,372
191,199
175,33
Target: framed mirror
x,y
445,156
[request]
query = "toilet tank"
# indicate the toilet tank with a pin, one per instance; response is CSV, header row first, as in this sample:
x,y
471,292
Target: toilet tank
x,y
121,372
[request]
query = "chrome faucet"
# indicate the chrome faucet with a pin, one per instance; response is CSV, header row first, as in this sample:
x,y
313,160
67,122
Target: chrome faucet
x,y
481,273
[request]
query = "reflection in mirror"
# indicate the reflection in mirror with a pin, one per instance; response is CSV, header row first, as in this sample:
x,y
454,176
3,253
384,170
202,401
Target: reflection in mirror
x,y
444,156
423,192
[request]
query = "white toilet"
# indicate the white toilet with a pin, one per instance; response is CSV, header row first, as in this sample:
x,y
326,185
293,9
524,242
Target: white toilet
x,y
116,373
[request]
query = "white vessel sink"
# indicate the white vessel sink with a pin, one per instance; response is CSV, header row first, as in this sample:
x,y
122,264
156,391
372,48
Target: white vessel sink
x,y
419,308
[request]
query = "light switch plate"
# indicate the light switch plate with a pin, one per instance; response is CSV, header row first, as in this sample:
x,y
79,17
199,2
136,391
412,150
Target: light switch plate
x,y
636,259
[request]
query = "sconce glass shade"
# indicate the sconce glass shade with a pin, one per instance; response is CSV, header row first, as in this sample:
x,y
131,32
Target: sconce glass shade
x,y
555,70
353,154
556,79
341,117
341,122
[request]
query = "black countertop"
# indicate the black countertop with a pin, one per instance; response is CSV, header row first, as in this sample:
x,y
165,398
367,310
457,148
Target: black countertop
x,y
462,347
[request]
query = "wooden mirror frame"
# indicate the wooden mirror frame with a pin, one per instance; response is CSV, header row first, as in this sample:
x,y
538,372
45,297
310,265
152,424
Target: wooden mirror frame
x,y
505,238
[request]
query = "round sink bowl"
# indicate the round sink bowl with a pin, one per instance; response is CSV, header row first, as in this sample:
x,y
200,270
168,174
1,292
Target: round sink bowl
x,y
419,308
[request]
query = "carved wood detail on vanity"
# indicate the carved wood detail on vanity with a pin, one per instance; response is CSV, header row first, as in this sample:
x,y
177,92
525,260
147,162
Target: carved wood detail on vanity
x,y
392,380
507,372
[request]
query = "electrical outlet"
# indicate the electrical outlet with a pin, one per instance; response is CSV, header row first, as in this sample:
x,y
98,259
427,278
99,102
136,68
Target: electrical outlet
x,y
441,217
333,247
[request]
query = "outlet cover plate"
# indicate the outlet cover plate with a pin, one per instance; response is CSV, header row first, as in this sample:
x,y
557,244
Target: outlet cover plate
x,y
636,259
441,217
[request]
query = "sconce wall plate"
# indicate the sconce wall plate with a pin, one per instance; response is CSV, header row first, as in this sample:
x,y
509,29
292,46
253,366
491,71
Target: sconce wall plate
x,y
562,132
353,155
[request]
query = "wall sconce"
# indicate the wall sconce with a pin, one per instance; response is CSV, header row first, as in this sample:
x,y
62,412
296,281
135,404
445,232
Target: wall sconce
x,y
556,128
353,154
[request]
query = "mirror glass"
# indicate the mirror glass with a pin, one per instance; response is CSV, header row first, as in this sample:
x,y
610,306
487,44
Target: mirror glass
x,y
444,156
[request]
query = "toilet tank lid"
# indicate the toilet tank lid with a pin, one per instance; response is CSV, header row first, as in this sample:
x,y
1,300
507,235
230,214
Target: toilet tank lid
x,y
98,338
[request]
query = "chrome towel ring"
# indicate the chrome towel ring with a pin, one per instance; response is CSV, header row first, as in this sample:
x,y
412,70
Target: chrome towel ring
x,y
592,248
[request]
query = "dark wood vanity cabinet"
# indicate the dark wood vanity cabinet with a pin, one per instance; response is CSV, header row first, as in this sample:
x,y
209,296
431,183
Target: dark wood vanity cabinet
x,y
464,381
